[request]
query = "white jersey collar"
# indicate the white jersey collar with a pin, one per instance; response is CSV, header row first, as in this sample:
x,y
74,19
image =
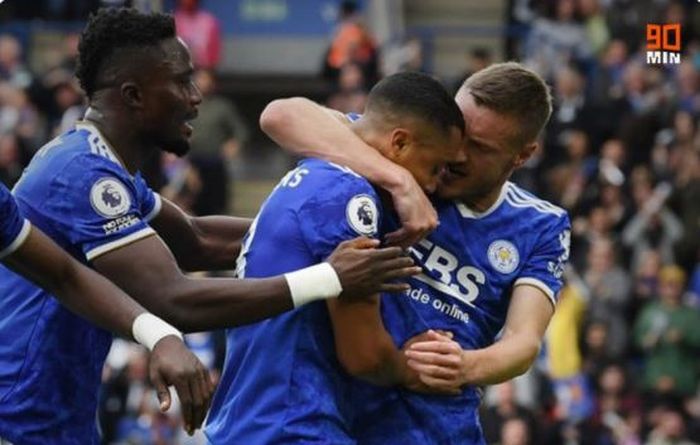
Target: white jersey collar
x,y
466,212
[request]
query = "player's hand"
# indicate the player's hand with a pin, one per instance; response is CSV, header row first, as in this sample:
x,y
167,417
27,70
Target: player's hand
x,y
172,364
364,270
412,379
438,360
417,216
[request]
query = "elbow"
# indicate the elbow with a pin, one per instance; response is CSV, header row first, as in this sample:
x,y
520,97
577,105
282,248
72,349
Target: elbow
x,y
277,115
530,353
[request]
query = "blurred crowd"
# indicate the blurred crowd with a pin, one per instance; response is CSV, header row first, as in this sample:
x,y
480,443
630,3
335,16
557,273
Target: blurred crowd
x,y
621,153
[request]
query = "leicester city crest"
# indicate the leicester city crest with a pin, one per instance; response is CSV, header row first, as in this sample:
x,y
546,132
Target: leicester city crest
x,y
503,256
362,214
109,198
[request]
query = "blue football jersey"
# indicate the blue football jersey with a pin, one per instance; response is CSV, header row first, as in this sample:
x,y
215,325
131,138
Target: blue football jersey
x,y
470,265
78,193
281,382
14,229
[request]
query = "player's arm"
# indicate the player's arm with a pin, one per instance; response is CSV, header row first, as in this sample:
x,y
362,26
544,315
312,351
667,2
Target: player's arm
x,y
445,364
93,297
147,270
363,347
366,350
529,311
200,243
307,129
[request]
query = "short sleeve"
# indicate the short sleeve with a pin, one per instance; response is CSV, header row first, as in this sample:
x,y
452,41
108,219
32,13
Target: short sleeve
x,y
100,206
14,229
150,201
348,208
545,267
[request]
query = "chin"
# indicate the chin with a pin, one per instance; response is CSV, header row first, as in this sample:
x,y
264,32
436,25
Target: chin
x,y
178,148
448,193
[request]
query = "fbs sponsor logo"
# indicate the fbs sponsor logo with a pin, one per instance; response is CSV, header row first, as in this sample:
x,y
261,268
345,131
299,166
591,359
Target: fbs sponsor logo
x,y
663,44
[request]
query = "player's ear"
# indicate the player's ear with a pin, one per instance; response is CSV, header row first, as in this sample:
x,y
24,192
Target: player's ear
x,y
400,142
524,154
131,94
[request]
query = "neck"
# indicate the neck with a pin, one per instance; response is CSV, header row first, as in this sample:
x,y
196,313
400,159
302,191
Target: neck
x,y
483,201
365,130
120,135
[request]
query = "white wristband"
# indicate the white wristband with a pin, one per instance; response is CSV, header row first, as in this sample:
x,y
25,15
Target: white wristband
x,y
317,282
149,330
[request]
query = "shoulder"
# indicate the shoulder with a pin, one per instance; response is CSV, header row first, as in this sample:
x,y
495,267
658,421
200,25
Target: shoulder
x,y
537,212
335,180
334,194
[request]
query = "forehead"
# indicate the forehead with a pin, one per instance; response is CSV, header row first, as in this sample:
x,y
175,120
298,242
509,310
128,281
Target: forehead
x,y
484,124
176,55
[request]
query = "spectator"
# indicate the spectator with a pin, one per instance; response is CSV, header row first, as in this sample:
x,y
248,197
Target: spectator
x,y
609,285
351,43
668,333
670,430
596,25
200,30
654,226
572,111
351,92
477,59
557,40
494,418
515,431
219,135
12,68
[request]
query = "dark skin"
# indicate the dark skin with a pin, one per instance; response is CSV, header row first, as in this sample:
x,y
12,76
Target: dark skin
x,y
93,297
142,111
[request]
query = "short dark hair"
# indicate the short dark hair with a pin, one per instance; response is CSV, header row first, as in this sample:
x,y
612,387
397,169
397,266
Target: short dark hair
x,y
418,95
113,29
511,89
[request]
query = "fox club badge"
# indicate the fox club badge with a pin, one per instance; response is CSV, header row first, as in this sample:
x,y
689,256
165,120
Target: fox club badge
x,y
503,256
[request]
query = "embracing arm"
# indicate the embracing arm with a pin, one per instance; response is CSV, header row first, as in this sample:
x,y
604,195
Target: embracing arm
x,y
446,364
307,129
528,316
201,243
147,270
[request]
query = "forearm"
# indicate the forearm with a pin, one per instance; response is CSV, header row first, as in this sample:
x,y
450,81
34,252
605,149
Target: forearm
x,y
307,129
363,346
507,358
81,290
111,309
201,243
221,238
204,304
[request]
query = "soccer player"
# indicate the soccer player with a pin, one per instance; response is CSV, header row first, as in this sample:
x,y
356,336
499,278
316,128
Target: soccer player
x,y
281,382
493,265
84,191
28,251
